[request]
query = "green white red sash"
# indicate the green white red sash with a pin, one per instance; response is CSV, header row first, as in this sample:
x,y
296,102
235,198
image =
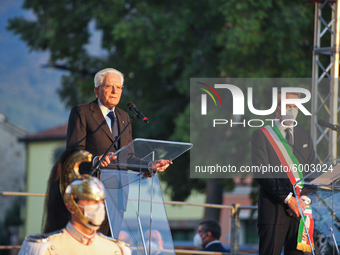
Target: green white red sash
x,y
294,173
303,242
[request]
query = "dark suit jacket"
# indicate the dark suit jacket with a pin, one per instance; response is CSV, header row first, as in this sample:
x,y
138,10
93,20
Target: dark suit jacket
x,y
88,129
215,247
273,190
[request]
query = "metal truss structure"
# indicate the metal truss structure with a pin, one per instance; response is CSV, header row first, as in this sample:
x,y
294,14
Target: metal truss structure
x,y
325,77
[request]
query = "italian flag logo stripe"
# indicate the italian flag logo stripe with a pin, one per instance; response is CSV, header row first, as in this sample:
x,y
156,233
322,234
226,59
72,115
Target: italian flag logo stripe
x,y
294,173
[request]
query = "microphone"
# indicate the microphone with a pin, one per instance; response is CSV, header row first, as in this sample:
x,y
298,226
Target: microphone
x,y
324,123
137,112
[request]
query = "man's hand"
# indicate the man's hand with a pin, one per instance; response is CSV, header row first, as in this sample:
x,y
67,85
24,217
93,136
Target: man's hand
x,y
106,161
160,165
294,208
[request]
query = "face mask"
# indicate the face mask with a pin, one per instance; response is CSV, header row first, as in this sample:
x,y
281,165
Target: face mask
x,y
291,114
198,241
95,213
153,246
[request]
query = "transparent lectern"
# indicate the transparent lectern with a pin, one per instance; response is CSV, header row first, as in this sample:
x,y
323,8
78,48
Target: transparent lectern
x,y
134,201
323,193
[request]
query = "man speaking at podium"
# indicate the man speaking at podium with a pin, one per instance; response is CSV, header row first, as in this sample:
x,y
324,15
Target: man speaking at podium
x,y
278,213
94,126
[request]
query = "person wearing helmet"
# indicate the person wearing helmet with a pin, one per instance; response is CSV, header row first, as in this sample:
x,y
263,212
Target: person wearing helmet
x,y
84,199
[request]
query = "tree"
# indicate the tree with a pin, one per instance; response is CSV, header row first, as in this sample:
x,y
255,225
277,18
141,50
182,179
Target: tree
x,y
160,45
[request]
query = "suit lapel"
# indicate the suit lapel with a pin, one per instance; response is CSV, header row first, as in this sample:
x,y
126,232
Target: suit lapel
x,y
298,145
120,120
99,118
121,123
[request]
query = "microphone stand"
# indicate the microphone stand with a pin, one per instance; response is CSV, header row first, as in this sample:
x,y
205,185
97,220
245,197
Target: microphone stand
x,y
96,166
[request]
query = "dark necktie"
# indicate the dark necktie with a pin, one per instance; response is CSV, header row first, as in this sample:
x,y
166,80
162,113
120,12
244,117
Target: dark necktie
x,y
289,138
114,127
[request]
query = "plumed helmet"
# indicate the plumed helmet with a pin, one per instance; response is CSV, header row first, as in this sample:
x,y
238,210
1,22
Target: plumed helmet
x,y
87,187
70,168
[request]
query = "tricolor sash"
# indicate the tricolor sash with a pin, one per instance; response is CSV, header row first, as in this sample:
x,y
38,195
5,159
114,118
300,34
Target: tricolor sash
x,y
294,173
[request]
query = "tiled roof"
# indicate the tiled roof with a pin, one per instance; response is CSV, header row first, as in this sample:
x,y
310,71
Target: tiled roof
x,y
57,133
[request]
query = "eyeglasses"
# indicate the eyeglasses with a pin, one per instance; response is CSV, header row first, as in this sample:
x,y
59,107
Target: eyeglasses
x,y
109,87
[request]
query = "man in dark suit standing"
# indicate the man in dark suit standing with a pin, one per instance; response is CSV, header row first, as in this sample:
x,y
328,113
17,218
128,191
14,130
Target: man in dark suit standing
x,y
278,213
94,127
208,236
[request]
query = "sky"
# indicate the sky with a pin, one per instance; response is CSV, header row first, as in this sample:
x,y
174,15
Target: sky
x,y
28,95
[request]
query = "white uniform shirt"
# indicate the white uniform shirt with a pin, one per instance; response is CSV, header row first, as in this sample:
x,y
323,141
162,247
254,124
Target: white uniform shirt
x,y
72,242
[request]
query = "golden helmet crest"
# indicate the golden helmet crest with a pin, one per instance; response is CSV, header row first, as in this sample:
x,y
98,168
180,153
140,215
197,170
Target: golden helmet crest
x,y
70,168
75,186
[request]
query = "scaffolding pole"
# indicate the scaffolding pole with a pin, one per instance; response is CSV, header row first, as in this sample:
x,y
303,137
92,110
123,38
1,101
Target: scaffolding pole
x,y
325,76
